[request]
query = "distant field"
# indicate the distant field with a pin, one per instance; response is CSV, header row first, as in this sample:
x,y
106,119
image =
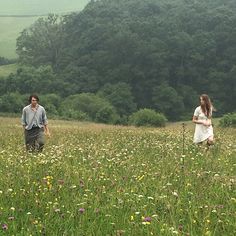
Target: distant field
x,y
7,69
38,7
10,28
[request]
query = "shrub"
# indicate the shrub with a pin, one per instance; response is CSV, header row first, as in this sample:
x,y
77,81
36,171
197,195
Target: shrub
x,y
51,103
96,108
228,120
147,117
11,102
75,115
107,114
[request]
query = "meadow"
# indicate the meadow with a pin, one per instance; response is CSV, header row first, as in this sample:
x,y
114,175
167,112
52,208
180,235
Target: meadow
x,y
10,28
6,70
108,180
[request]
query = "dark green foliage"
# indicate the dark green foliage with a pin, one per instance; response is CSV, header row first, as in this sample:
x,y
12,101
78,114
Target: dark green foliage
x,y
228,120
120,96
6,61
12,102
30,80
167,100
51,103
90,107
107,114
147,117
42,43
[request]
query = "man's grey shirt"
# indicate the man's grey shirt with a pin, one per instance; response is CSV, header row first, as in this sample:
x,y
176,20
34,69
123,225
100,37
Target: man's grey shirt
x,y
31,118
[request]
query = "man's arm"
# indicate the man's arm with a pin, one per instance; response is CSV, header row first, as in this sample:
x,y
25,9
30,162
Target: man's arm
x,y
45,123
23,119
46,130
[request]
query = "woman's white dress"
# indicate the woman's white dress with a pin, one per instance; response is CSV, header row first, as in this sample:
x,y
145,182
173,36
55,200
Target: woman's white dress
x,y
202,132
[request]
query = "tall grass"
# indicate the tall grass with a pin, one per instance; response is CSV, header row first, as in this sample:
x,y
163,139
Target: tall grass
x,y
105,180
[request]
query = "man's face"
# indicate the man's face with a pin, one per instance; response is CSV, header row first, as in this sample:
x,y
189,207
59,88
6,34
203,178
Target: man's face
x,y
34,101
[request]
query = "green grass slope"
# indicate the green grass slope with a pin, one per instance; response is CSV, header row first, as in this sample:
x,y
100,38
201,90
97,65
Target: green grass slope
x,y
38,7
7,69
10,27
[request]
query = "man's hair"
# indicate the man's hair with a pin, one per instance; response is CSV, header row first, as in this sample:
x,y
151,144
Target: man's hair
x,y
33,96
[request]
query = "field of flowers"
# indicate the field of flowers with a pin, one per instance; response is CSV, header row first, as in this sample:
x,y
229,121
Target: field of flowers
x,y
105,180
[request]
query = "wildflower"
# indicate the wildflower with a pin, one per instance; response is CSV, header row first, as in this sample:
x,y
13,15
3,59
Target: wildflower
x,y
180,228
120,232
146,223
11,218
60,181
4,226
140,178
97,210
131,218
35,222
175,194
81,183
147,219
81,210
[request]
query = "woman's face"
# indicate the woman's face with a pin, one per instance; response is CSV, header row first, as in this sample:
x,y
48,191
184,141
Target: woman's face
x,y
202,101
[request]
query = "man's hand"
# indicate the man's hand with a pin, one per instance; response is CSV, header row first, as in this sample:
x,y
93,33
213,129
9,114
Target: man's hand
x,y
47,133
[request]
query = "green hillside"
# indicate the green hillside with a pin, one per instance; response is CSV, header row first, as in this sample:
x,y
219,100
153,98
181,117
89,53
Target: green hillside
x,y
7,69
39,7
10,27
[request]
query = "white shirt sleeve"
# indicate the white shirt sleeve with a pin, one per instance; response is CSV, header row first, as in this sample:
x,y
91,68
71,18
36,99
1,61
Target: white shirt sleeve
x,y
197,112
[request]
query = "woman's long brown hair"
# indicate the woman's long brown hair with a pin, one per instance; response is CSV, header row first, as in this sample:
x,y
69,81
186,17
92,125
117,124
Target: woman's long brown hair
x,y
207,107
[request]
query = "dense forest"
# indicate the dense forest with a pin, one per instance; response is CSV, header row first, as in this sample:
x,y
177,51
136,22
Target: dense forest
x,y
118,56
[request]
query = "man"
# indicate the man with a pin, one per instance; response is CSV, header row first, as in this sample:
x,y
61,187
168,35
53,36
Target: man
x,y
35,124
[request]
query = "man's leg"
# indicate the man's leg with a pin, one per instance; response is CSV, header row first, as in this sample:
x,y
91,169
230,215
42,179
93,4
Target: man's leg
x,y
40,140
29,141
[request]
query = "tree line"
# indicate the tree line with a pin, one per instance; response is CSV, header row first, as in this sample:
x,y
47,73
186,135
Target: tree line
x,y
131,55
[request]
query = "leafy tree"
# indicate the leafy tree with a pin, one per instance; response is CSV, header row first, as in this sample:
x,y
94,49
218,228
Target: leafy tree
x,y
95,107
167,100
120,96
12,102
41,43
228,120
51,102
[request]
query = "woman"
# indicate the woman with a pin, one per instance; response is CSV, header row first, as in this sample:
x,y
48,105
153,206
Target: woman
x,y
202,118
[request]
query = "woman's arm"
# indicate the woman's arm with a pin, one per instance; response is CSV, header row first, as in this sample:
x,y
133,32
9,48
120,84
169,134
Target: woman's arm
x,y
202,122
196,121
